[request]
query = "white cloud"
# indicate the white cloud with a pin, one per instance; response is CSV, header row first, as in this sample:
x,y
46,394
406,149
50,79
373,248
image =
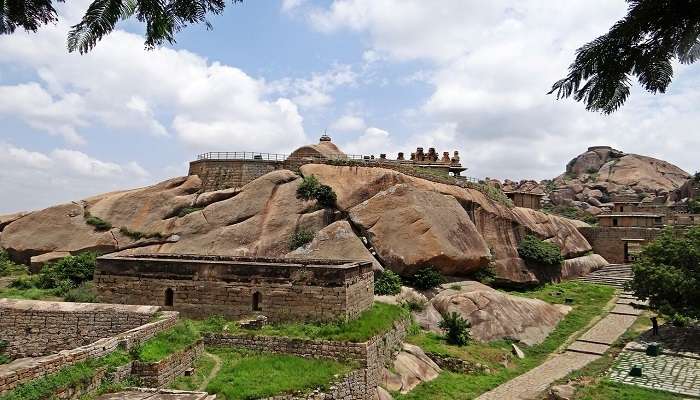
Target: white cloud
x,y
122,86
290,5
490,65
348,123
32,179
372,142
314,92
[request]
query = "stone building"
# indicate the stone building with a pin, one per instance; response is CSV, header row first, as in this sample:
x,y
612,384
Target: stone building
x,y
238,287
631,220
526,199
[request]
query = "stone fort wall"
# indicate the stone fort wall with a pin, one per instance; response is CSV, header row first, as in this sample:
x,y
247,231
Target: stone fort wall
x,y
608,241
37,328
282,290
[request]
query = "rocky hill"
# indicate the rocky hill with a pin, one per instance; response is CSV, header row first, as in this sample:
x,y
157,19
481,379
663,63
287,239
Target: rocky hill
x,y
593,179
399,221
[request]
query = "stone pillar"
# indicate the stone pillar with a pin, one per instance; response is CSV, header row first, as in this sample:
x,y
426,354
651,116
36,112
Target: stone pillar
x,y
382,156
455,157
400,157
432,155
419,154
446,157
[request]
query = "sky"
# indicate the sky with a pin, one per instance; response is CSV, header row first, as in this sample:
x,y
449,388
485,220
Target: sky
x,y
381,76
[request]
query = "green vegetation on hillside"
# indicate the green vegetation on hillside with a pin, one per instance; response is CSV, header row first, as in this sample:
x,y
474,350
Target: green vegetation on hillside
x,y
571,213
387,282
248,375
300,238
168,342
587,301
10,268
379,319
540,252
310,188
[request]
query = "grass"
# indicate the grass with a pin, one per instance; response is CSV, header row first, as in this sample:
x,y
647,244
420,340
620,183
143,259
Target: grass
x,y
588,301
166,343
75,375
4,359
247,375
136,235
377,320
612,390
29,294
98,223
202,368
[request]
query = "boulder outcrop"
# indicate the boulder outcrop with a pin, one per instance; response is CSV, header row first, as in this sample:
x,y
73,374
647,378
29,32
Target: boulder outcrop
x,y
494,315
411,367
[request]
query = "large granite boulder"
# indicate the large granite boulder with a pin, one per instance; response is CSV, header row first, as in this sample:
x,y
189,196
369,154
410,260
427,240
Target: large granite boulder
x,y
337,240
410,368
493,314
583,265
410,228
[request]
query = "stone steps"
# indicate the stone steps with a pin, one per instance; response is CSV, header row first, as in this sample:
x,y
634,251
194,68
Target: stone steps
x,y
613,275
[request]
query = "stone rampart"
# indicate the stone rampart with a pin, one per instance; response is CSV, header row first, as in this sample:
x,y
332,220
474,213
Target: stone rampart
x,y
165,371
236,287
352,386
37,328
610,242
27,369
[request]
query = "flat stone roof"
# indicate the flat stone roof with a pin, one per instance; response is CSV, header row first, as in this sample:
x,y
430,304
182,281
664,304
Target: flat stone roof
x,y
617,215
242,261
58,306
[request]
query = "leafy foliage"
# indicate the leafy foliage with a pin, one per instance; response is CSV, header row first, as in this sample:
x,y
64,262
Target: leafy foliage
x,y
387,283
643,44
667,273
10,268
533,249
694,206
98,223
310,188
136,235
300,238
71,270
426,278
456,329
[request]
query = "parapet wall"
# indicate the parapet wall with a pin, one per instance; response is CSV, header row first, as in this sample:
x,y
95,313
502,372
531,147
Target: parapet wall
x,y
37,328
282,290
165,371
609,243
220,174
27,369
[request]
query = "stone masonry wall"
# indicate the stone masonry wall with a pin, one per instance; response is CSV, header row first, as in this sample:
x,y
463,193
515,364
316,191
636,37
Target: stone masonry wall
x,y
372,355
286,291
36,328
352,386
218,174
607,241
27,369
165,371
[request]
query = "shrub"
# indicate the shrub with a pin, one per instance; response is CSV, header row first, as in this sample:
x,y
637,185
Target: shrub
x,y
307,187
68,272
136,235
591,170
8,267
456,329
539,251
694,206
24,282
300,238
97,222
4,359
680,321
311,188
325,196
81,294
486,275
412,300
387,283
427,278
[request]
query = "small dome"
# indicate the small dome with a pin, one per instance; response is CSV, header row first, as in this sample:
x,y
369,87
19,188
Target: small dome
x,y
325,138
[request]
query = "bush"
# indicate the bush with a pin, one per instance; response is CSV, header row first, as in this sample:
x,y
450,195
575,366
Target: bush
x,y
387,283
539,251
307,188
4,359
694,206
24,282
136,235
456,329
98,223
680,320
300,238
81,294
485,275
8,267
427,278
412,300
68,272
311,188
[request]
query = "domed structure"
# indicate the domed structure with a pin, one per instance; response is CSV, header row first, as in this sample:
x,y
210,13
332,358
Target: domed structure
x,y
324,149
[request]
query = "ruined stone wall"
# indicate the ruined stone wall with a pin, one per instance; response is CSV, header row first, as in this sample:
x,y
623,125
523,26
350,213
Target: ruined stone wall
x,y
37,328
608,241
285,292
352,386
28,369
165,371
371,356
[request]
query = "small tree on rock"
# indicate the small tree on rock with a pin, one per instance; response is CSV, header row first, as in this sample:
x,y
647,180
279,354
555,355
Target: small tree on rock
x,y
456,329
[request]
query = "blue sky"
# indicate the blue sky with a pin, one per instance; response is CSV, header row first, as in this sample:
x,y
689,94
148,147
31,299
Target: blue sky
x,y
381,75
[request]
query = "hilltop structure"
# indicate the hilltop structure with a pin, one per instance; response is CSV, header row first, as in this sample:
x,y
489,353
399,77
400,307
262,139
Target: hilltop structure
x,y
224,170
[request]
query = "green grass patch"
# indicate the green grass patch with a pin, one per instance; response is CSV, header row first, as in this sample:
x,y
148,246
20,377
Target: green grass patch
x,y
203,367
377,320
607,390
4,359
247,375
588,301
9,267
166,343
136,235
73,376
98,223
30,294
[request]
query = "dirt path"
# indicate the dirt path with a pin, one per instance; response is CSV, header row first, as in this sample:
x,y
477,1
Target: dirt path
x,y
587,348
213,373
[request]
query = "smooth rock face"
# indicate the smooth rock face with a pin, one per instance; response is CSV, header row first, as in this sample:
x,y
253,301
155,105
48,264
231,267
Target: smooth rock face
x,y
411,367
583,265
409,228
337,240
496,315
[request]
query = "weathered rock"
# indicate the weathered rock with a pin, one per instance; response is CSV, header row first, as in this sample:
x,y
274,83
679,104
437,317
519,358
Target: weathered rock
x,y
562,392
496,315
382,394
409,228
337,240
407,295
583,265
517,352
411,367
38,262
7,219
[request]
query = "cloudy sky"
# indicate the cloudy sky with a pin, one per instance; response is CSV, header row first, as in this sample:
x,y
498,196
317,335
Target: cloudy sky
x,y
381,75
